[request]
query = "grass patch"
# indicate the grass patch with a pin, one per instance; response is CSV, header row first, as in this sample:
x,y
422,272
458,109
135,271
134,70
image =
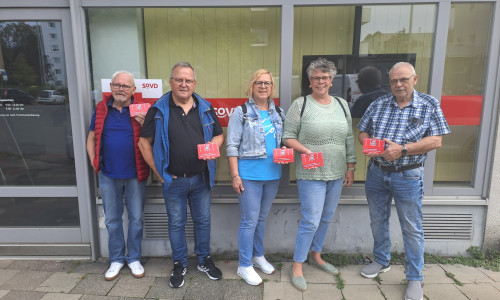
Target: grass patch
x,y
452,276
426,298
279,266
489,259
378,279
340,282
340,260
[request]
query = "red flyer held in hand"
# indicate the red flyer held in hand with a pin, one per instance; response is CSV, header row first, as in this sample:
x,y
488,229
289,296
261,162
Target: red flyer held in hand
x,y
313,160
373,146
138,108
283,155
209,150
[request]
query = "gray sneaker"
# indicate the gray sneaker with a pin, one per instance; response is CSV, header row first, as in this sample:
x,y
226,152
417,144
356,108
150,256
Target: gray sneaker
x,y
414,291
372,270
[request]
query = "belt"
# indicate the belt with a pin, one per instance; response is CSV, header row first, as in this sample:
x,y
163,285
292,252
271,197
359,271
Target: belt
x,y
187,174
396,168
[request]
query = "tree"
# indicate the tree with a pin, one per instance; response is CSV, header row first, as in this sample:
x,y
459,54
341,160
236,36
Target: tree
x,y
23,74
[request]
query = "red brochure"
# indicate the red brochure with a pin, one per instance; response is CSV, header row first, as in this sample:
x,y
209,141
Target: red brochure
x,y
313,160
283,155
373,146
209,150
138,108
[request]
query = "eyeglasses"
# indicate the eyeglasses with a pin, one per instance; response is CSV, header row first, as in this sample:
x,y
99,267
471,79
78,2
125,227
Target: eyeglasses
x,y
117,86
403,80
322,78
263,83
180,81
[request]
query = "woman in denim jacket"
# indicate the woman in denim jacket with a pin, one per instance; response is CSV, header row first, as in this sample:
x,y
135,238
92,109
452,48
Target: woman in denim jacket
x,y
251,138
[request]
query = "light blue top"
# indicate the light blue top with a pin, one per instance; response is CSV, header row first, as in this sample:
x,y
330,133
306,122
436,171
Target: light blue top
x,y
264,168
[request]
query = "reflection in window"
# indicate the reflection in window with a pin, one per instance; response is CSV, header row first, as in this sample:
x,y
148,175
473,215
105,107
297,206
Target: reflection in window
x,y
39,212
462,95
34,148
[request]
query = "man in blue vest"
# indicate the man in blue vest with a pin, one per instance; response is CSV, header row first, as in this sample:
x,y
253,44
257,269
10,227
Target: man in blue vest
x,y
123,173
174,126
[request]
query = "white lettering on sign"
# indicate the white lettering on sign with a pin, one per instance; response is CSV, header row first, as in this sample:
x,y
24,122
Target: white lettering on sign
x,y
223,112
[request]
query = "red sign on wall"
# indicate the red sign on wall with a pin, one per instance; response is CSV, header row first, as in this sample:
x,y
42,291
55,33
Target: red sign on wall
x,y
224,107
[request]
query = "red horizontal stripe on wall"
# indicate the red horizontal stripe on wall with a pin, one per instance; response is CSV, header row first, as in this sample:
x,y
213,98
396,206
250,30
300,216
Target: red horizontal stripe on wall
x,y
224,107
462,109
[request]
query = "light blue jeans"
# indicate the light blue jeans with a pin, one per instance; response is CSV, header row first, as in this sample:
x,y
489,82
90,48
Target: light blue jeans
x,y
318,202
407,189
112,193
196,191
255,203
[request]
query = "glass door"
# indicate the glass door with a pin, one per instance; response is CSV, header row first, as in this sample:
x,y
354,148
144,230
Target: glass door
x,y
40,203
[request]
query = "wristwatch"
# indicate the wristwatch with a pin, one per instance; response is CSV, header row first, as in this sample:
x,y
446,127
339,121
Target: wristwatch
x,y
404,151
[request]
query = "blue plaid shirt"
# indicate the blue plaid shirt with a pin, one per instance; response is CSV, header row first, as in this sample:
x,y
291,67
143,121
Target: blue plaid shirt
x,y
421,118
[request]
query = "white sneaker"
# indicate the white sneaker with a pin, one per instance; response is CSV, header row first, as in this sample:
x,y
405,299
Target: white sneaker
x,y
261,263
113,271
137,269
250,276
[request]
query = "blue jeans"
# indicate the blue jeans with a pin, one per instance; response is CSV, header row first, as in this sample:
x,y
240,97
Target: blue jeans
x,y
407,189
196,191
255,203
318,202
112,193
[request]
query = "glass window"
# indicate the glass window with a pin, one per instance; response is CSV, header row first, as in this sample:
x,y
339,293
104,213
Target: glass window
x,y
36,146
463,91
357,36
224,45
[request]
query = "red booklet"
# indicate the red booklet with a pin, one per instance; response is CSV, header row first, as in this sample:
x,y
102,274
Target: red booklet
x,y
313,160
209,150
373,146
285,155
138,108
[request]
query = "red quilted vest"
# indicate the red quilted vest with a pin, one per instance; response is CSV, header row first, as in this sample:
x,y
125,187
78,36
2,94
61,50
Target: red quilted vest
x,y
101,112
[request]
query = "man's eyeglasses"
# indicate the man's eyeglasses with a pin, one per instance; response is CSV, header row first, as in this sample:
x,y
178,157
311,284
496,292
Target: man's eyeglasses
x,y
179,81
117,86
263,83
403,80
322,78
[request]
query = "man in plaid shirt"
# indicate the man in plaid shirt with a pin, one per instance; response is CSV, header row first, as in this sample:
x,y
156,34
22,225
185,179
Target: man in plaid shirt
x,y
412,124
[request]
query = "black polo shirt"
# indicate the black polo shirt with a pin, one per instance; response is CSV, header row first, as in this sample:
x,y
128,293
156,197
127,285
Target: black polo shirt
x,y
185,132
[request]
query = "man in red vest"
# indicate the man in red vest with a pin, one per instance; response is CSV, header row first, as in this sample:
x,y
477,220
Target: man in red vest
x,y
122,171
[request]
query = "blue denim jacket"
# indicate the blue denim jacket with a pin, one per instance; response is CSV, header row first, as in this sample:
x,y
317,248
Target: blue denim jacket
x,y
248,140
161,142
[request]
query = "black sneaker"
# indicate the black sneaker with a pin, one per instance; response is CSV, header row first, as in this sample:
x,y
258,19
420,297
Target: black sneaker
x,y
210,269
177,277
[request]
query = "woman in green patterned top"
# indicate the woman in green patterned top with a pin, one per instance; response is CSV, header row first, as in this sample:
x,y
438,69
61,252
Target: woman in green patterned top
x,y
322,124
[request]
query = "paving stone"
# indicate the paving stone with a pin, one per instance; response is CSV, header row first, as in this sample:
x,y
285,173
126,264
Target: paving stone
x,y
311,274
128,286
240,290
496,285
321,291
158,267
23,295
393,291
26,280
396,275
3,292
5,263
443,292
98,267
479,291
59,266
362,291
202,285
435,274
60,282
60,296
282,291
466,274
94,297
495,276
94,284
31,265
161,289
352,275
5,275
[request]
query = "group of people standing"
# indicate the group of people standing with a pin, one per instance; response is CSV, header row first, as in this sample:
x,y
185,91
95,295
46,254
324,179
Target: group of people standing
x,y
123,148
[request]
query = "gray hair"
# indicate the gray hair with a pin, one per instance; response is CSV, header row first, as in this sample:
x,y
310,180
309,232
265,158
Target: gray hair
x,y
323,65
403,64
123,72
182,64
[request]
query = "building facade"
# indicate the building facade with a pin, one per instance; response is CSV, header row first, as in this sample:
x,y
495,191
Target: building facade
x,y
49,199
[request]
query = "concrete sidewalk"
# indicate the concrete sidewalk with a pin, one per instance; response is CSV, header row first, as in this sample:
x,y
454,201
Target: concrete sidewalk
x,y
69,279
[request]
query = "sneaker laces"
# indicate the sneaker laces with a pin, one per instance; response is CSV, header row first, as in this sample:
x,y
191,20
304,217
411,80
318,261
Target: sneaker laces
x,y
178,269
